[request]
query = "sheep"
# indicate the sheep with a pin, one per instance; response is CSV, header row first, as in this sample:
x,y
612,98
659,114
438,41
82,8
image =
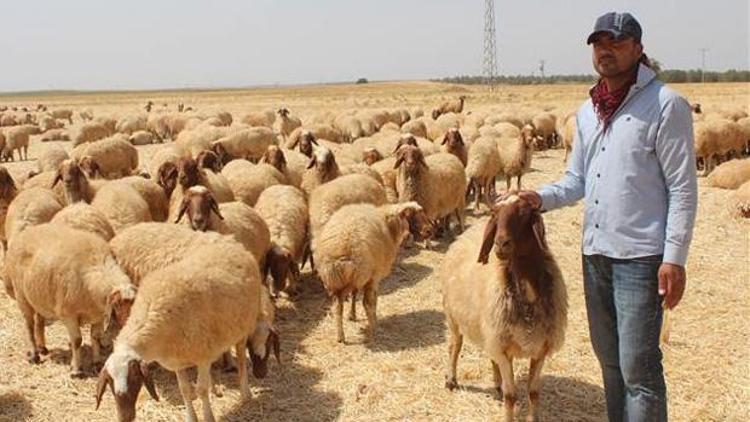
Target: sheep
x,y
122,205
131,124
86,115
741,201
166,126
209,160
515,157
450,120
415,127
350,127
231,218
16,138
416,113
389,175
356,250
714,137
502,129
453,106
306,142
326,199
82,216
141,137
164,154
48,123
50,158
109,122
31,207
568,135
284,125
64,114
248,180
224,117
483,166
55,135
730,175
321,169
8,120
285,212
90,132
8,192
371,156
249,144
290,163
453,143
544,130
190,143
175,321
187,173
77,186
319,131
115,156
152,193
262,118
437,183
515,307
56,272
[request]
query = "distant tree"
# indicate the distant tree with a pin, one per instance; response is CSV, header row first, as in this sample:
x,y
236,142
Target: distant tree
x,y
362,81
656,65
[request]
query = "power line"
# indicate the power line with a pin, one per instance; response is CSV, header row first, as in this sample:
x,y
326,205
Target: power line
x,y
703,63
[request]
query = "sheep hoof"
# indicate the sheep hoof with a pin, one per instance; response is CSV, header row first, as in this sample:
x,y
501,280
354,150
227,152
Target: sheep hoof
x,y
229,368
77,374
451,384
499,391
33,357
42,350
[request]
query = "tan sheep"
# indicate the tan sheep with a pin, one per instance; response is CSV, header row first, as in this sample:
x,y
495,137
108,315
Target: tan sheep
x,y
16,138
544,130
50,158
122,205
285,211
511,303
741,201
453,144
350,127
261,118
249,144
115,156
290,163
483,166
190,143
47,123
285,124
318,131
90,132
64,114
8,192
415,127
82,216
515,157
321,169
248,180
356,250
55,135
730,175
31,207
452,106
141,137
66,274
236,219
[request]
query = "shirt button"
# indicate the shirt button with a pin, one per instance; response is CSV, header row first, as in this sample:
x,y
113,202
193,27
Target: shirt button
x,y
596,201
596,225
598,175
604,149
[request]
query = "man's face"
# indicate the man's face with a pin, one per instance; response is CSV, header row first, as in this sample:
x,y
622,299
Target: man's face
x,y
612,58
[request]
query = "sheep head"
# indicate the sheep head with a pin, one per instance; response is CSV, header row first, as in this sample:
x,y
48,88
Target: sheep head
x,y
305,140
188,172
324,161
283,112
280,264
117,307
410,158
90,167
209,160
7,186
74,180
221,152
167,177
405,139
371,156
260,344
453,140
125,373
515,229
403,217
435,114
275,157
198,203
528,134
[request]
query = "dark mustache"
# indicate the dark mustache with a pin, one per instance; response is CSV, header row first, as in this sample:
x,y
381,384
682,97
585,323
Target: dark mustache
x,y
606,57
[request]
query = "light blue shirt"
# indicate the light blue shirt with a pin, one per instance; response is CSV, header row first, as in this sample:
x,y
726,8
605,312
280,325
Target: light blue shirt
x,y
637,178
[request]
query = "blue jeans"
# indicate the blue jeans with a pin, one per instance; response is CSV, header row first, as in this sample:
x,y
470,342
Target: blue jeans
x,y
624,312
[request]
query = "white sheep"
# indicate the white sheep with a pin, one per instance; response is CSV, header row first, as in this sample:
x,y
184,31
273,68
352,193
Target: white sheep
x,y
356,250
141,137
511,303
731,174
31,207
131,124
284,124
122,205
115,156
515,157
321,169
175,321
50,158
290,163
262,118
285,212
55,135
741,201
55,272
82,216
17,138
90,132
249,144
483,166
248,180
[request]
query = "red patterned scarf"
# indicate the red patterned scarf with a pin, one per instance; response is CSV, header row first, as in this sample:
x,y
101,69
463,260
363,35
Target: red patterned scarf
x,y
606,102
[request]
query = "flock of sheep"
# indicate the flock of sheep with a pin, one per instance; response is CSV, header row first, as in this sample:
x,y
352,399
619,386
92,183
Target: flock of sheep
x,y
179,259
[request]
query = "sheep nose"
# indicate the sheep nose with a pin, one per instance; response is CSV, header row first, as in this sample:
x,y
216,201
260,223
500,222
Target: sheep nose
x,y
505,245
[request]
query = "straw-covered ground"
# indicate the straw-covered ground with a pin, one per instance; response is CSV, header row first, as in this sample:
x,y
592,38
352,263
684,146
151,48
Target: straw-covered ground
x,y
399,376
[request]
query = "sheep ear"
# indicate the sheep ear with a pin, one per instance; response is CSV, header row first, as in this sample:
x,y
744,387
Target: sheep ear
x,y
183,207
539,230
101,385
58,177
312,139
445,139
294,143
148,381
398,162
311,164
215,207
488,241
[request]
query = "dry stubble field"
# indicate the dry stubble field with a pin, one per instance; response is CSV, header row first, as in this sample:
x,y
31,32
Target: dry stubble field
x,y
400,375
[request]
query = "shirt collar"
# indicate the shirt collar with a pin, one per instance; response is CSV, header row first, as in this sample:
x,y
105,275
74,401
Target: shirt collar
x,y
645,76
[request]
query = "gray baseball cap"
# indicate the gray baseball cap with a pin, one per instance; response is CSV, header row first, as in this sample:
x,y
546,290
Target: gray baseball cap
x,y
620,25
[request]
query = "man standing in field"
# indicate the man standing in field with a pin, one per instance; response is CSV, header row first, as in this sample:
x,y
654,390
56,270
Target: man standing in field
x,y
634,166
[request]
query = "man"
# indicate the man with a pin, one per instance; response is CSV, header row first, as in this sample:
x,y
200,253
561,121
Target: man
x,y
633,163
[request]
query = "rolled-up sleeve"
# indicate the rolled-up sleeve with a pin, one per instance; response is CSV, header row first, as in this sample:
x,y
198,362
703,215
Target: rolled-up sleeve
x,y
675,150
571,188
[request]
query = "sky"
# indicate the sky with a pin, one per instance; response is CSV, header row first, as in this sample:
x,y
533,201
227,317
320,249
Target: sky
x,y
152,44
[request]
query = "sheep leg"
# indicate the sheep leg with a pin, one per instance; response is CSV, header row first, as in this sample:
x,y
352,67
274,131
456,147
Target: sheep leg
x,y
40,342
97,330
353,309
507,183
497,378
454,350
239,348
519,182
183,381
28,316
370,301
339,317
74,333
460,217
228,364
535,370
487,196
477,193
509,385
204,385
